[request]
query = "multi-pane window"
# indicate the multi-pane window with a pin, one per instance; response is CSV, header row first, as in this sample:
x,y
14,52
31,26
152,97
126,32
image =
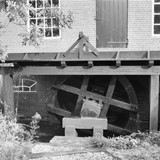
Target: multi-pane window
x,y
41,16
156,18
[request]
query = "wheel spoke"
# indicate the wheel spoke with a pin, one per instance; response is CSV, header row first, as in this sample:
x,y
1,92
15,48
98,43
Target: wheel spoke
x,y
118,130
107,99
111,87
122,105
79,92
80,98
109,95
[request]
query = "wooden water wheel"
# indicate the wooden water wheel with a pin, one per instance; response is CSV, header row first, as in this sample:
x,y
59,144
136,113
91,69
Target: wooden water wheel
x,y
120,104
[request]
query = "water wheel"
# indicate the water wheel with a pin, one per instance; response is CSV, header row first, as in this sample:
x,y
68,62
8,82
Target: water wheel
x,y
120,104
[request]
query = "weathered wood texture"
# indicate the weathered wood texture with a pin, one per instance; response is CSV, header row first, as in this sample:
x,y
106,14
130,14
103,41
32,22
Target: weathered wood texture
x,y
85,123
80,97
154,102
58,111
97,124
109,94
95,96
108,100
112,18
8,95
81,70
62,153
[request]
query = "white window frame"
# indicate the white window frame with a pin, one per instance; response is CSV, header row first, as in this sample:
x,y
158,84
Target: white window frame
x,y
52,37
153,14
23,86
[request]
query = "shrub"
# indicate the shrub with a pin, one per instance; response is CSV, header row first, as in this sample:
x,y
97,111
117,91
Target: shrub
x,y
142,139
14,138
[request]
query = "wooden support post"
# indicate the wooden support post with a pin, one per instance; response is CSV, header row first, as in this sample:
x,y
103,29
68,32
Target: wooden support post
x,y
70,131
118,61
150,62
98,131
97,124
8,95
63,64
80,98
154,102
90,64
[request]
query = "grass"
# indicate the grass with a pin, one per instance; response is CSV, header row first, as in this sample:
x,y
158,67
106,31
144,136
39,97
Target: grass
x,y
137,146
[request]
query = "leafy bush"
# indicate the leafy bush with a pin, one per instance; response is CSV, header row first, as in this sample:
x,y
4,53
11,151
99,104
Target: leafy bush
x,y
152,138
141,139
121,142
14,138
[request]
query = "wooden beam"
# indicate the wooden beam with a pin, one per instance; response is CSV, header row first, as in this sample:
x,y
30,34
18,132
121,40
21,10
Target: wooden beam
x,y
109,94
70,49
85,93
154,102
118,61
63,64
58,111
80,98
81,52
85,122
150,62
90,64
82,70
8,95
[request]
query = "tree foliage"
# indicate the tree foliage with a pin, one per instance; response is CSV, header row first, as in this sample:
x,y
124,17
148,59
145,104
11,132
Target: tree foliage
x,y
17,12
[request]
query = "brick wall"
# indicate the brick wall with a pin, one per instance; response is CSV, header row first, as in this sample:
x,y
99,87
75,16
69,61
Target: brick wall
x,y
84,14
139,28
28,103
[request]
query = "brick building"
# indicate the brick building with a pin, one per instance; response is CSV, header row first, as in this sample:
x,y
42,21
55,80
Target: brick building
x,y
111,25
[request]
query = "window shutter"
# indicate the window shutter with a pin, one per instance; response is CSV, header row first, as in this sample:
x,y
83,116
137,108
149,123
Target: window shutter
x,y
112,23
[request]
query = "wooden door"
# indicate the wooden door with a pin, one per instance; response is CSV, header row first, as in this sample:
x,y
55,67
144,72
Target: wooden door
x,y
112,23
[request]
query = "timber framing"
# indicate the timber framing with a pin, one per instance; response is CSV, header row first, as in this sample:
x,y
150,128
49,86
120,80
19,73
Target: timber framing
x,y
83,59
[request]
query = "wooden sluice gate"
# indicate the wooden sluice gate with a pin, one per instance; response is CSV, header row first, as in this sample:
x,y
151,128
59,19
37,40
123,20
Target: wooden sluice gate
x,y
82,71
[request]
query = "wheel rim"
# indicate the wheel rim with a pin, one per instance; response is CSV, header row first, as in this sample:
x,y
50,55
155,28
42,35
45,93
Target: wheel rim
x,y
62,88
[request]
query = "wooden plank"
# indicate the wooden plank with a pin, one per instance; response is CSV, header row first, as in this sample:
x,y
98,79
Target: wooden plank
x,y
92,48
85,123
98,97
62,153
72,142
81,70
58,111
70,49
118,130
80,98
154,102
81,92
70,131
109,95
81,52
103,56
97,131
111,23
122,105
8,95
